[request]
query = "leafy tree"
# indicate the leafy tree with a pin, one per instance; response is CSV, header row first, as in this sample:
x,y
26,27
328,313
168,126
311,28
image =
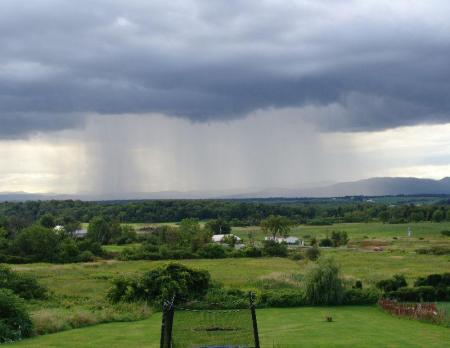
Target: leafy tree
x,y
276,225
161,284
25,286
384,216
339,238
47,221
102,231
192,235
322,283
218,226
4,242
127,235
417,216
69,251
438,215
37,243
15,322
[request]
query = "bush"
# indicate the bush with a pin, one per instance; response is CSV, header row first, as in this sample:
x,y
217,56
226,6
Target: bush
x,y
283,298
396,282
212,251
339,238
434,280
161,284
219,298
86,256
296,256
252,251
322,284
313,253
446,233
358,285
15,323
22,285
361,296
326,242
435,250
272,248
69,251
127,235
416,294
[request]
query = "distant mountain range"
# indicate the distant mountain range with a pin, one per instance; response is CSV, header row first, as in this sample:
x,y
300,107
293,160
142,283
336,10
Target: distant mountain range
x,y
368,187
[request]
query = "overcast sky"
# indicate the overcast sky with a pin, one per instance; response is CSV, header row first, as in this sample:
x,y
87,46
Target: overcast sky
x,y
109,96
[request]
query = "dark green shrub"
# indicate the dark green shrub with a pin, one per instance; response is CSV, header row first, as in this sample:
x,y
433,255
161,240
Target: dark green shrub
x,y
296,256
273,248
15,323
212,251
326,242
339,238
416,294
252,251
435,250
435,280
22,285
313,253
322,284
217,297
69,251
358,285
86,256
360,296
14,259
396,282
282,298
161,284
446,233
127,235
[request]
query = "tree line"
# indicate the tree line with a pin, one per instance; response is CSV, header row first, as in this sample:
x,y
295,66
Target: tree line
x,y
237,212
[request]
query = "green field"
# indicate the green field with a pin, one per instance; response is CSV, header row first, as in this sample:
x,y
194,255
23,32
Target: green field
x,y
294,327
81,288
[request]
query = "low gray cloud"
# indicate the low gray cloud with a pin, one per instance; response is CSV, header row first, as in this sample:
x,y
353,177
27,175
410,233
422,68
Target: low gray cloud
x,y
369,64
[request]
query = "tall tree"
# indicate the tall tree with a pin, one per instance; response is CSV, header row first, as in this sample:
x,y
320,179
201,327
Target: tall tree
x,y
276,225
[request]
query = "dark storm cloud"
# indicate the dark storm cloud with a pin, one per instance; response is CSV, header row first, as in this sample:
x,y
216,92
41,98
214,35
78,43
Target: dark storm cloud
x,y
364,65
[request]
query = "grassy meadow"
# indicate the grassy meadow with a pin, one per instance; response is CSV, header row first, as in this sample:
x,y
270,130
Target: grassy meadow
x,y
81,288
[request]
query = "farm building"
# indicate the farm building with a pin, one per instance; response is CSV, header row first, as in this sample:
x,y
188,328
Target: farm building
x,y
80,233
287,240
219,238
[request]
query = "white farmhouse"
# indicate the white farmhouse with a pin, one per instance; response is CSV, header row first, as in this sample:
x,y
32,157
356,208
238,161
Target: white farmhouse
x,y
287,240
219,238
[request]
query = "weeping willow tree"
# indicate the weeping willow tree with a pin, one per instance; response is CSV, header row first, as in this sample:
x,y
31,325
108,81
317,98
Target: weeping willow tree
x,y
322,283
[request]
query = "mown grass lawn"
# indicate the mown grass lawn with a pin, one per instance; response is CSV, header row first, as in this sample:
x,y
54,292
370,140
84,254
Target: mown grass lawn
x,y
292,327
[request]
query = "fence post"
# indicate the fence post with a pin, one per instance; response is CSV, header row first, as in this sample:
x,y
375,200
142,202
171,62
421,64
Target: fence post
x,y
167,323
170,315
163,326
255,323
